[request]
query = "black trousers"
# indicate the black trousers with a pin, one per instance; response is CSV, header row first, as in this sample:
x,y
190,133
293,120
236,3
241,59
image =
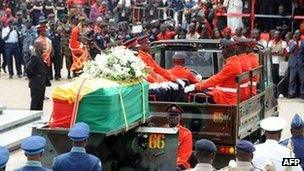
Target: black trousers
x,y
37,98
57,60
275,73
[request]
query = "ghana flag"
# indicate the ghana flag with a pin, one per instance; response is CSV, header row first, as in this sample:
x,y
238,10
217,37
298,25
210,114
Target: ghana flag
x,y
104,105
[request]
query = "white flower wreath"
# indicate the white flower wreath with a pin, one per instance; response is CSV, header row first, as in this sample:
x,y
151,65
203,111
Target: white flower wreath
x,y
118,63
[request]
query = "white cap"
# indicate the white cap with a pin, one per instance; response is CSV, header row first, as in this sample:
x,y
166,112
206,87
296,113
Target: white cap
x,y
273,123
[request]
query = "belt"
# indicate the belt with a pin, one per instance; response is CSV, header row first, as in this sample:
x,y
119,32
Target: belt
x,y
226,89
244,85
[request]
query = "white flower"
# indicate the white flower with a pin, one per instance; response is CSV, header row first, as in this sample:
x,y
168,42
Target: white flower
x,y
118,63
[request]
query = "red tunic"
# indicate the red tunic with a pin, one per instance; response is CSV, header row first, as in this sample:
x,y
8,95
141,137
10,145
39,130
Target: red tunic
x,y
165,36
184,149
183,73
254,60
149,61
224,83
246,66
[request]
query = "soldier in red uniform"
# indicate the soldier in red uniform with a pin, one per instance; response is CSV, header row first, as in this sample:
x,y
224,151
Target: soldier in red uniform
x,y
222,87
254,60
245,64
144,54
182,72
184,149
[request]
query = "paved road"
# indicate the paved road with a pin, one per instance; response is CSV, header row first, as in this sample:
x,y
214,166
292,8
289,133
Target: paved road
x,y
15,94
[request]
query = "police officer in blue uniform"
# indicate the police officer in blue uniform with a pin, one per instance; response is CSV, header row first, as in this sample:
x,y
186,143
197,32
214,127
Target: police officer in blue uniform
x,y
4,155
33,148
297,138
77,158
205,151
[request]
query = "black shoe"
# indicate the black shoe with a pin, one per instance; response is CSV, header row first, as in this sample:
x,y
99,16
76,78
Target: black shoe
x,y
4,70
302,96
19,76
69,76
57,78
10,77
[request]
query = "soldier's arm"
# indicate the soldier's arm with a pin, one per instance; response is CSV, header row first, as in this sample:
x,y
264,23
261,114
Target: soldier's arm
x,y
222,76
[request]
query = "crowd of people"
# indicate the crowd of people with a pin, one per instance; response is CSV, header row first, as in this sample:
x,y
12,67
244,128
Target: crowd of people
x,y
267,156
111,22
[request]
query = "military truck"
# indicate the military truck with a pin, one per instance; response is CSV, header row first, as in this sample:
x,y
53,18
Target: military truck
x,y
223,124
151,147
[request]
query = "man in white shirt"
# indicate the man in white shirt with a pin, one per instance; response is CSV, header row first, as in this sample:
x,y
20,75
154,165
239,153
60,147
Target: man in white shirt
x,y
279,65
10,36
271,149
205,151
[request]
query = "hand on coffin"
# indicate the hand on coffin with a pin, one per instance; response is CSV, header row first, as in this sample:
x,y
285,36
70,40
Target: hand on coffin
x,y
181,82
189,88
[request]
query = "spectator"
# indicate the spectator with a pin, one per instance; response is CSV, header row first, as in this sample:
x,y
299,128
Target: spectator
x,y
279,65
36,11
48,7
95,10
217,34
192,34
203,31
122,11
54,36
236,7
165,33
280,22
239,32
61,8
182,34
295,63
7,16
256,35
29,35
190,4
227,33
12,48
177,6
151,12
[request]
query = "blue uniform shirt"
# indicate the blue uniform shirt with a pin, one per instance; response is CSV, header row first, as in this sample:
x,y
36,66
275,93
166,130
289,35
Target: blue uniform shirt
x,y
32,166
298,145
77,159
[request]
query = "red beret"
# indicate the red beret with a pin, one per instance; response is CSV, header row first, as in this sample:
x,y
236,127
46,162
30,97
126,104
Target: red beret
x,y
131,43
143,39
174,109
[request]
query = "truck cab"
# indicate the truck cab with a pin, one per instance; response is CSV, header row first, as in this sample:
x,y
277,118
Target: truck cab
x,y
222,124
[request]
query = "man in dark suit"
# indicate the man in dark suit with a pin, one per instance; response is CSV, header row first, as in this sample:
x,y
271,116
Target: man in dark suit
x,y
296,64
37,73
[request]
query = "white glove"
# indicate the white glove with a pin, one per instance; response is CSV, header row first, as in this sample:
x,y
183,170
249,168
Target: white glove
x,y
199,77
189,88
153,86
181,82
174,86
164,86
